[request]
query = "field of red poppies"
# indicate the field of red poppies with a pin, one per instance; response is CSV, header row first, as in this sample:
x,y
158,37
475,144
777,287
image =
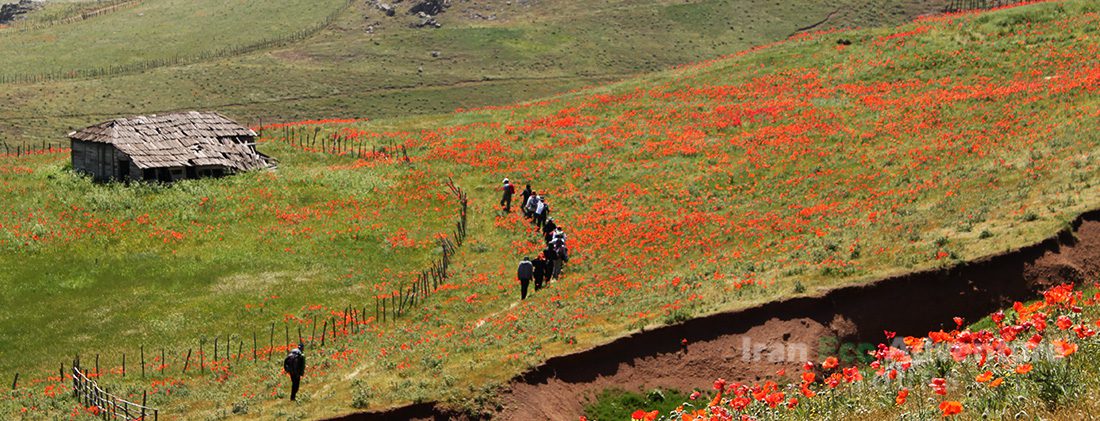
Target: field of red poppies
x,y
829,159
1033,360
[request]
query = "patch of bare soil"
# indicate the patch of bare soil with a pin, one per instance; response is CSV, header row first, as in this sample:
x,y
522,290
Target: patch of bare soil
x,y
752,344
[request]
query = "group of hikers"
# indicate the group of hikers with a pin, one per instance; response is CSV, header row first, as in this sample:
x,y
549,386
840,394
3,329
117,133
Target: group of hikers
x,y
548,264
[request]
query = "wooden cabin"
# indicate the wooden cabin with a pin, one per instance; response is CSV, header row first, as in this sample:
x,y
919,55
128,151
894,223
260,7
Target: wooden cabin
x,y
166,148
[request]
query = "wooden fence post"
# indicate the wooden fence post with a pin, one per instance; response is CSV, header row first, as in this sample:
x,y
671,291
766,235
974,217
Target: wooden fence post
x,y
187,360
142,361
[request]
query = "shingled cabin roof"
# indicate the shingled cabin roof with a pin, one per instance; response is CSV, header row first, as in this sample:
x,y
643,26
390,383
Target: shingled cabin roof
x,y
180,140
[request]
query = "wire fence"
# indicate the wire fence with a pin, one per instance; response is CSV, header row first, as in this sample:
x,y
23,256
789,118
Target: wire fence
x,y
965,5
107,6
217,356
105,404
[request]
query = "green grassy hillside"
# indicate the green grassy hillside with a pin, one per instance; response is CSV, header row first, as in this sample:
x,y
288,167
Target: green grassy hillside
x,y
155,30
366,64
122,265
798,167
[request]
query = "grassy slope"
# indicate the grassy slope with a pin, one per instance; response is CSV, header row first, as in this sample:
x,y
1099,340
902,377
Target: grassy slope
x,y
156,29
870,187
121,266
898,153
527,51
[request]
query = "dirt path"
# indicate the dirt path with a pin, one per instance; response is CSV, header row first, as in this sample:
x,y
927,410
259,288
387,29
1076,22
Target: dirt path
x,y
754,343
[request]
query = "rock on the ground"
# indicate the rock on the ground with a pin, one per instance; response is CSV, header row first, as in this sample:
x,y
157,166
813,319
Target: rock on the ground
x,y
426,20
13,11
387,8
429,7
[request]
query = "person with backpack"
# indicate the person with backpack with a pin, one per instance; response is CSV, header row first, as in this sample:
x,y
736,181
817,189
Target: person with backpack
x,y
542,271
561,256
525,272
558,236
530,205
527,193
549,255
506,198
295,366
548,230
542,209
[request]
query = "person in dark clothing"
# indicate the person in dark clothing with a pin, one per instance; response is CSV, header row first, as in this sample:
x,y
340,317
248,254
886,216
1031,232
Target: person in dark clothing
x,y
542,271
295,366
506,197
527,193
549,256
548,229
525,272
561,256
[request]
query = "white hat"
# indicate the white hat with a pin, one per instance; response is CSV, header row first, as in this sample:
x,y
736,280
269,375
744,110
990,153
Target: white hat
x,y
505,181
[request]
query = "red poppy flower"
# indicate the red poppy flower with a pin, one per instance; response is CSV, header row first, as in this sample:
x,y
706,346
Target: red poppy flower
x,y
903,394
808,377
1064,322
1063,349
998,317
719,384
984,377
950,408
939,386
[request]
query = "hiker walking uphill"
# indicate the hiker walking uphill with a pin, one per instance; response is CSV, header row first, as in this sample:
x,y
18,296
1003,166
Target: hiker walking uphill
x,y
561,257
525,272
530,204
542,271
295,366
507,190
542,210
548,230
527,193
548,265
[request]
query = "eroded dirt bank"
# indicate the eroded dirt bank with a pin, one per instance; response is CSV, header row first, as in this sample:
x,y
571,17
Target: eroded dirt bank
x,y
750,344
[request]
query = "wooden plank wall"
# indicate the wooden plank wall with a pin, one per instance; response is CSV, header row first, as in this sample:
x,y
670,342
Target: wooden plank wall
x,y
101,161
